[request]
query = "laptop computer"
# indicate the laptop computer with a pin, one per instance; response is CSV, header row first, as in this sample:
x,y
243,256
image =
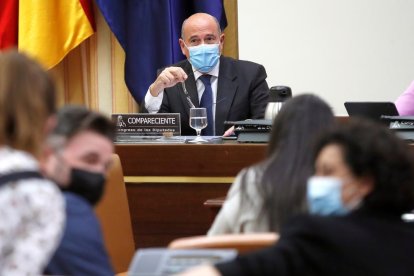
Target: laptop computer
x,y
163,261
371,110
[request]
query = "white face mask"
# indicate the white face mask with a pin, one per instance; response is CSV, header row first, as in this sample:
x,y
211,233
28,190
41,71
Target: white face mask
x,y
324,195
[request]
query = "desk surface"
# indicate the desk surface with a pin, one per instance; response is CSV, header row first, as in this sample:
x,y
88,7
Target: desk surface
x,y
225,159
171,182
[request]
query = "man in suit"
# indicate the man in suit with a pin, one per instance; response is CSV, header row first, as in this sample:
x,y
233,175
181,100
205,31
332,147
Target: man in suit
x,y
230,89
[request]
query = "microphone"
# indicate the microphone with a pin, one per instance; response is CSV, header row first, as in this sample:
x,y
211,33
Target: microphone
x,y
190,103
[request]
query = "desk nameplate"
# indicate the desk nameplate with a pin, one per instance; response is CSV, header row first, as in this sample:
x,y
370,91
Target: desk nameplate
x,y
144,124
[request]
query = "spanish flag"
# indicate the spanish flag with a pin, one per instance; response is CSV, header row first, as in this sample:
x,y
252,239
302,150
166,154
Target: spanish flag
x,y
49,29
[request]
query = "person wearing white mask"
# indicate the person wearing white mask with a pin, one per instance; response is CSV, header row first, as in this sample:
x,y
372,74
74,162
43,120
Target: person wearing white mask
x,y
359,200
231,90
264,196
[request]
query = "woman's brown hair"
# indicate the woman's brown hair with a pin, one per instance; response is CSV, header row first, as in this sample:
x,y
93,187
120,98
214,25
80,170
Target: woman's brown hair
x,y
27,99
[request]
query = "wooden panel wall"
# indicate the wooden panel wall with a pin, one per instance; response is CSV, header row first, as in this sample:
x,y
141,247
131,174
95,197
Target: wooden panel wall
x,y
231,42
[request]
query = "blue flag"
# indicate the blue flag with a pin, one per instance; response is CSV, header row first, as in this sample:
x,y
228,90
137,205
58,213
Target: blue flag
x,y
149,30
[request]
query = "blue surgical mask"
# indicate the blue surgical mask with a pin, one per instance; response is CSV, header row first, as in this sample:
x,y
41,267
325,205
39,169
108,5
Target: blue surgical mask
x,y
324,196
204,57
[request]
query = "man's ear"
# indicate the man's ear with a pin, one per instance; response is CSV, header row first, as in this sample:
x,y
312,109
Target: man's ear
x,y
184,49
53,168
367,185
47,160
222,36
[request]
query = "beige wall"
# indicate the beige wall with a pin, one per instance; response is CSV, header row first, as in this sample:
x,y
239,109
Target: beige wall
x,y
343,50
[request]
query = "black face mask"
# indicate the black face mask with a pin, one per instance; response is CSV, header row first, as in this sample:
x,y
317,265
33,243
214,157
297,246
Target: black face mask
x,y
89,185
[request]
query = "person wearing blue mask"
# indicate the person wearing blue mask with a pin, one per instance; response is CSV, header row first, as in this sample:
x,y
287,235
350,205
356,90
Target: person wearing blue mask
x,y
78,157
264,196
360,201
231,90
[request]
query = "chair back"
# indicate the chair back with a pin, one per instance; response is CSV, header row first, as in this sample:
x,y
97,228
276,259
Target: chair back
x,y
243,243
115,219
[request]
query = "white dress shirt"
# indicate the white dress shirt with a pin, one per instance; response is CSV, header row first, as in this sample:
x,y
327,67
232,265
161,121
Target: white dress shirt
x,y
153,104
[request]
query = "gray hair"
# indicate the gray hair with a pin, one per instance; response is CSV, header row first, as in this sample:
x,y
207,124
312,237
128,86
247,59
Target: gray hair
x,y
72,119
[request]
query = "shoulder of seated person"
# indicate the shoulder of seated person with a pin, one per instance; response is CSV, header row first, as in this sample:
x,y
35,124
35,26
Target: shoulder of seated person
x,y
75,201
241,61
181,64
306,223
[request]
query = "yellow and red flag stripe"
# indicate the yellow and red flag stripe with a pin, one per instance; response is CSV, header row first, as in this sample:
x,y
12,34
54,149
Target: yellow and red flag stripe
x,y
47,29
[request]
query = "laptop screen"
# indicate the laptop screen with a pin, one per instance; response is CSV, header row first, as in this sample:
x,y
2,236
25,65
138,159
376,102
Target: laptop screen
x,y
371,110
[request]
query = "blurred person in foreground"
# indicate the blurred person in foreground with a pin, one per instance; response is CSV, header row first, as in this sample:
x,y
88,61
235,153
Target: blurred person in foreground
x,y
265,195
360,195
31,207
405,102
79,156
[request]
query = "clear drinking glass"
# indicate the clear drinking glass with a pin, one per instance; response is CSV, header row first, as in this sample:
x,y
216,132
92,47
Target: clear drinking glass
x,y
198,121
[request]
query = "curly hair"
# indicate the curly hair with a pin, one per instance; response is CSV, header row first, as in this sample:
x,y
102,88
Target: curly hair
x,y
373,150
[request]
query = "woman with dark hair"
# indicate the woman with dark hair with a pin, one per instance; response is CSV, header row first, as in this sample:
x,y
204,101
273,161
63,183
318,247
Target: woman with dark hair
x,y
265,195
359,197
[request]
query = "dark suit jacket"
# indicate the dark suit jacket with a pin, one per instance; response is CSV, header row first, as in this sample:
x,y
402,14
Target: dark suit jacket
x,y
362,243
242,93
81,250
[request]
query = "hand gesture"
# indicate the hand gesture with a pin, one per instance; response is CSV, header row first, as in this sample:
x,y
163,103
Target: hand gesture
x,y
169,77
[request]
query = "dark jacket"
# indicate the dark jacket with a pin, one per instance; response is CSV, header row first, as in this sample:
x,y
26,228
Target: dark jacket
x,y
242,93
82,250
362,243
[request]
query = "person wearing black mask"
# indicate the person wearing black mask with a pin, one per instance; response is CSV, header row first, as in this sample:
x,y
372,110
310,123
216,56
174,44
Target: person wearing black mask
x,y
78,158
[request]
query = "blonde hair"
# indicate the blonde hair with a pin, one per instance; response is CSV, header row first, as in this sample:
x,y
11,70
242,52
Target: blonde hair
x,y
27,99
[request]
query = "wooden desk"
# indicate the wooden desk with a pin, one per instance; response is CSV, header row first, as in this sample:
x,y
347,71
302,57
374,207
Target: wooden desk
x,y
168,184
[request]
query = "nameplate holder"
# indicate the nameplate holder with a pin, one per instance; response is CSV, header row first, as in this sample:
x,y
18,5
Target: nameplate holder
x,y
252,131
403,126
144,124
